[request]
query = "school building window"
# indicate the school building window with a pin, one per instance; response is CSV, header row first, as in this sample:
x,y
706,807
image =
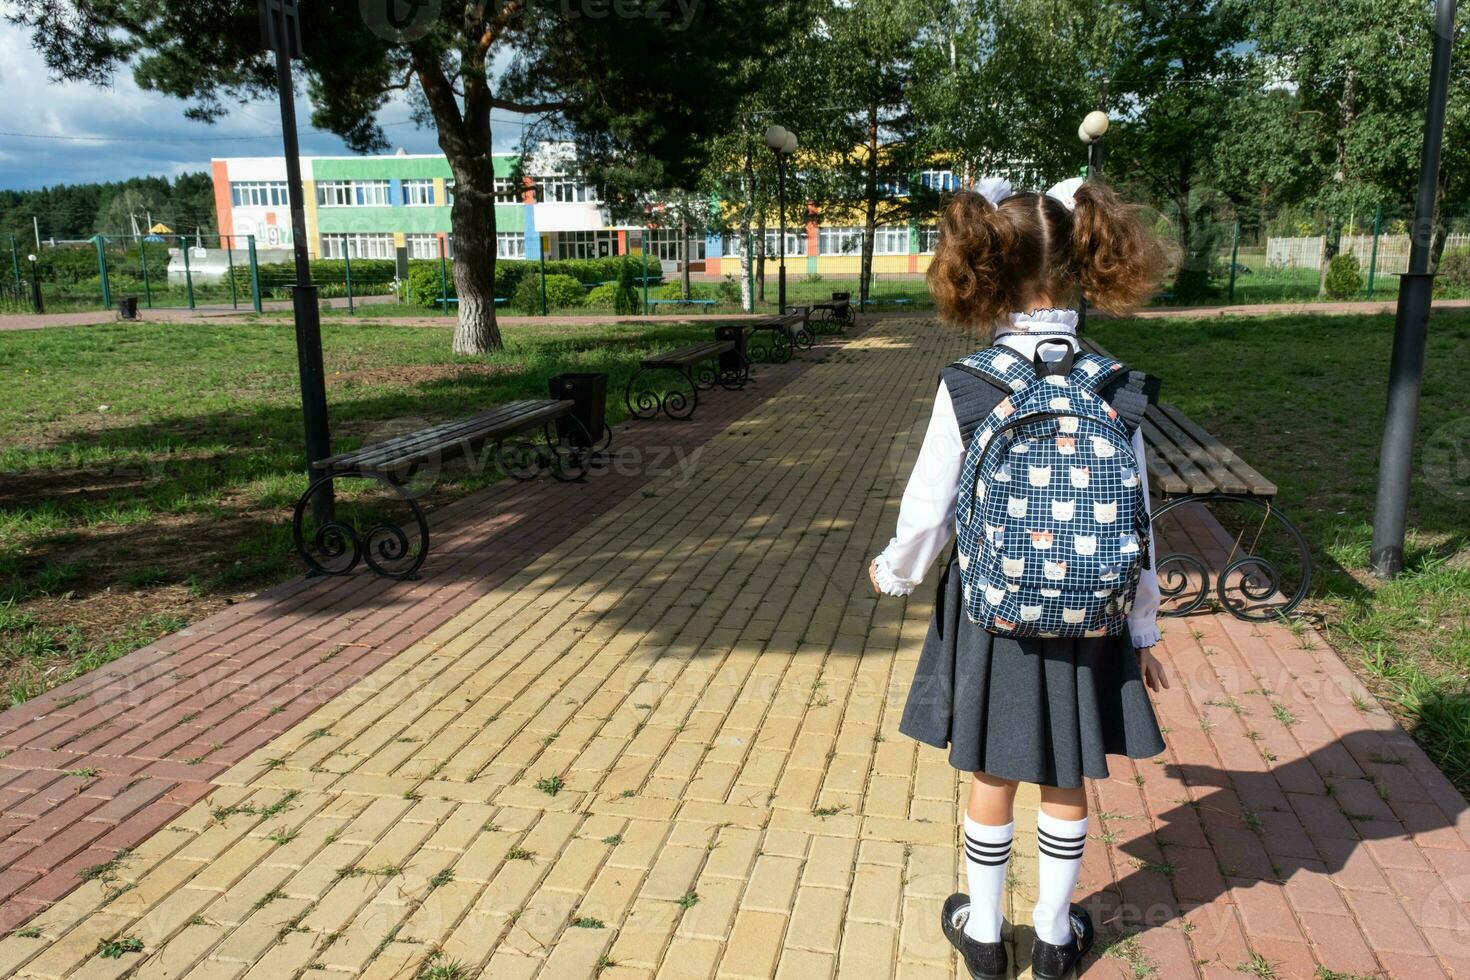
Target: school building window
x,y
587,244
357,246
664,242
897,187
891,240
449,191
260,194
507,191
928,238
417,193
939,180
841,240
423,246
352,193
510,245
564,189
795,243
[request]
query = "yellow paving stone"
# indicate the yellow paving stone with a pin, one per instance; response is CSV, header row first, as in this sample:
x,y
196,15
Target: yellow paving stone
x,y
577,953
817,919
673,874
754,945
772,886
78,944
801,964
868,951
181,954
711,915
690,959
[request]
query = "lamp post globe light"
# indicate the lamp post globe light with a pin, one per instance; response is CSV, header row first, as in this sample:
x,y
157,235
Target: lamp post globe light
x,y
783,143
36,300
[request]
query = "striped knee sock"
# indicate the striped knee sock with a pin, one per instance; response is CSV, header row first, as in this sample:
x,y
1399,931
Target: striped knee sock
x,y
1059,845
987,853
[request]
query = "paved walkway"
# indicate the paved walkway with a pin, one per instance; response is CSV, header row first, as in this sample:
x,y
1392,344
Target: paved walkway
x,y
659,740
34,322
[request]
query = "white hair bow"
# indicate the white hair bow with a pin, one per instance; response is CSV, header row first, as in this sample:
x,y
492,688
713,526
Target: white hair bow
x,y
994,189
1066,192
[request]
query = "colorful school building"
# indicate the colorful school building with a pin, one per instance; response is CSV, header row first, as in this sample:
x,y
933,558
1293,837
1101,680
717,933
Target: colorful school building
x,y
369,207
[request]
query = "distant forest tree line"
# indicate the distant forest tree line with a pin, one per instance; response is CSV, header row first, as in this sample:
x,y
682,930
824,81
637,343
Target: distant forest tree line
x,y
77,211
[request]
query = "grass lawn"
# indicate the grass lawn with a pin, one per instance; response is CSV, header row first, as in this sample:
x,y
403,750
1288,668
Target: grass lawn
x,y
1302,398
148,471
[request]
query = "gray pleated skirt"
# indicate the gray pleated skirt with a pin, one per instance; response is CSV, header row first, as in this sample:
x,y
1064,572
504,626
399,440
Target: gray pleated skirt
x,y
1046,711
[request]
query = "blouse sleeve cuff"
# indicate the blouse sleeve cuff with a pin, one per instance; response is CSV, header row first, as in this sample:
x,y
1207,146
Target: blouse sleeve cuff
x,y
890,583
1145,636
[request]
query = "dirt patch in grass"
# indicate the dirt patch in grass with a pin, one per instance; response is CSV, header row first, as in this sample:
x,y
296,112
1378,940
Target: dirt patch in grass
x,y
418,374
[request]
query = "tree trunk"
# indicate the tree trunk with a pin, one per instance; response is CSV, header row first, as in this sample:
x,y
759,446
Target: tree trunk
x,y
684,252
473,221
760,261
870,218
747,251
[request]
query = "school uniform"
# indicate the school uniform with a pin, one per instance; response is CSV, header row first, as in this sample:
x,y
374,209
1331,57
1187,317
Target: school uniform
x,y
1036,710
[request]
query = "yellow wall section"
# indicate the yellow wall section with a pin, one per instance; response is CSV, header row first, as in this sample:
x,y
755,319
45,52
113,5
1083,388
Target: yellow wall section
x,y
313,237
399,240
441,197
852,264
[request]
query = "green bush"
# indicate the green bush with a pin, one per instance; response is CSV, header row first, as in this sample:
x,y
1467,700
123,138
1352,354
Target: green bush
x,y
627,300
1194,286
675,290
562,291
603,297
1344,278
728,291
1454,268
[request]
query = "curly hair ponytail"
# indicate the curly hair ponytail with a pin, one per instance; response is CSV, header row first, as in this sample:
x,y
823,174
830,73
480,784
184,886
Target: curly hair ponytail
x,y
973,274
1117,260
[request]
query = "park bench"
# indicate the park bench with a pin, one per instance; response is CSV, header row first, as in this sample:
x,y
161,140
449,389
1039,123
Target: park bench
x,y
698,365
681,302
454,301
393,462
786,332
833,317
1187,465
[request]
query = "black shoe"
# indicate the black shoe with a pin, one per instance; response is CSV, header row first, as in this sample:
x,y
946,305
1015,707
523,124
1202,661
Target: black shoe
x,y
1050,962
985,961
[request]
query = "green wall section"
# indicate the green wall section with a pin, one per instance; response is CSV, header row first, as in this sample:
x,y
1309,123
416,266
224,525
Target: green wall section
x,y
391,168
419,220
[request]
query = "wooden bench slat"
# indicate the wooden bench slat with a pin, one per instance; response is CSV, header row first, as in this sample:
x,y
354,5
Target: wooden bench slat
x,y
1214,469
409,441
451,436
463,443
1194,478
1257,484
693,354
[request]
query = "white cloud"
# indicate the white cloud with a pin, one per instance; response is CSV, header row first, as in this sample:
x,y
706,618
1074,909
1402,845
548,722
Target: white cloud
x,y
153,137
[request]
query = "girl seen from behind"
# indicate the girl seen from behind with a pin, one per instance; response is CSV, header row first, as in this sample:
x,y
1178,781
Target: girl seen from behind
x,y
1041,645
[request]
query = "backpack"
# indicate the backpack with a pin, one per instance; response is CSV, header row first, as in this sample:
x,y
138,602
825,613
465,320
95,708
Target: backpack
x,y
1052,520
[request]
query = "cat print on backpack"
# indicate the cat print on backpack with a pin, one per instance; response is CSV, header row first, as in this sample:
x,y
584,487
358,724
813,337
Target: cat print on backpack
x,y
1081,522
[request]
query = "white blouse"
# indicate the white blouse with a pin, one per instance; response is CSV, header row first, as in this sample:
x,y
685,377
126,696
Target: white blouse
x,y
926,516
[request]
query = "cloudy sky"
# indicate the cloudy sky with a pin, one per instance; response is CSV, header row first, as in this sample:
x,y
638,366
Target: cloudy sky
x,y
131,132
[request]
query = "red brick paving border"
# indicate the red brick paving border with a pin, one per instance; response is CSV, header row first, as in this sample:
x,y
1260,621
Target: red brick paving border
x,y
97,765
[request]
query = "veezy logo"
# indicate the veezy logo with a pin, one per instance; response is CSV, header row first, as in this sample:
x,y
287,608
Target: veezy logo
x,y
399,20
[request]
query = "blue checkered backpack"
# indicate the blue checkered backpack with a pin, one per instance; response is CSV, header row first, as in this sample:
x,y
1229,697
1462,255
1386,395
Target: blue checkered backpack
x,y
1051,521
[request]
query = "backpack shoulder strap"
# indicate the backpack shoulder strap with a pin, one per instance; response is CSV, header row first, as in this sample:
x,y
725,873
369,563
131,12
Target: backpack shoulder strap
x,y
1130,393
974,395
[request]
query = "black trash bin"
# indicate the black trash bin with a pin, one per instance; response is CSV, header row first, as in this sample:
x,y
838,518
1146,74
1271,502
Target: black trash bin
x,y
127,308
588,392
733,364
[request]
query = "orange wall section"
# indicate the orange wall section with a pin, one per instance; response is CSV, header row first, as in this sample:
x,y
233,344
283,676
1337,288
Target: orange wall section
x,y
224,215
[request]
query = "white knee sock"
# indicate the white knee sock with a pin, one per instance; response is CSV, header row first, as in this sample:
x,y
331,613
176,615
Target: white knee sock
x,y
987,853
1059,845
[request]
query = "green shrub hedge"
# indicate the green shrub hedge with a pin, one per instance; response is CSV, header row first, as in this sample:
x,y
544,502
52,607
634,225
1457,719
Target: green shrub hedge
x,y
1344,278
561,292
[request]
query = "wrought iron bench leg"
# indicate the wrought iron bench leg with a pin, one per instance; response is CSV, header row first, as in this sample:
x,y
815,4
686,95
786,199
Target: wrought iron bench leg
x,y
1259,578
339,546
674,403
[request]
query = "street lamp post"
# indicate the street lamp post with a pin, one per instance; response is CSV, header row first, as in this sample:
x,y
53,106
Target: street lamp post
x,y
1411,325
280,32
36,300
1094,127
782,143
